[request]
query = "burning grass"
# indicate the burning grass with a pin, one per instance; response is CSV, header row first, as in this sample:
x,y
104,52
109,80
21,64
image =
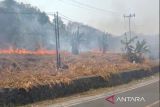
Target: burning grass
x,y
24,52
27,71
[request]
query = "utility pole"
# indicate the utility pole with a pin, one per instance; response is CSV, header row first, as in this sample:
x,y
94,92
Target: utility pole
x,y
129,18
58,39
58,56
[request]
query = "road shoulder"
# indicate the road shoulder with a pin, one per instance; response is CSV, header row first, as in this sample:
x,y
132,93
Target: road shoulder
x,y
94,93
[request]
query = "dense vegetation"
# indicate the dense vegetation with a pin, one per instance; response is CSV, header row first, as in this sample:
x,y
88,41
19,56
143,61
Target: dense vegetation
x,y
21,25
25,26
135,53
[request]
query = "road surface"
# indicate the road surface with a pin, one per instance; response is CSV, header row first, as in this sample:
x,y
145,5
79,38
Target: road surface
x,y
149,91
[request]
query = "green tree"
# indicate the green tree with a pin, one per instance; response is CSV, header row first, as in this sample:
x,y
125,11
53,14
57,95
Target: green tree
x,y
140,50
134,53
128,46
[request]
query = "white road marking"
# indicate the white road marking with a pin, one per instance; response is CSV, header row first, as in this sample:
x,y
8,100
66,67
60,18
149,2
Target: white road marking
x,y
151,105
93,98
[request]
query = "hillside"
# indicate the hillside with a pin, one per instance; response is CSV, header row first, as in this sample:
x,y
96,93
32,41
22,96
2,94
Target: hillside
x,y
22,25
26,27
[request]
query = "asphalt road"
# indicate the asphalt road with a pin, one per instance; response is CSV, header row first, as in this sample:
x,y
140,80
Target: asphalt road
x,y
150,92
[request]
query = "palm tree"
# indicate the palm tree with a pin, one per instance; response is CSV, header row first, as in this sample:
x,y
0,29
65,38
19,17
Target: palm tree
x,y
141,48
134,53
128,44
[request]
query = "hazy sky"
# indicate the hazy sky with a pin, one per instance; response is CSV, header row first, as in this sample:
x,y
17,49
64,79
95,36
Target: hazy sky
x,y
111,20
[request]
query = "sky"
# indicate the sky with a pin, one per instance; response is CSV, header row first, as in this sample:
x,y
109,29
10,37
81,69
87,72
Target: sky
x,y
106,15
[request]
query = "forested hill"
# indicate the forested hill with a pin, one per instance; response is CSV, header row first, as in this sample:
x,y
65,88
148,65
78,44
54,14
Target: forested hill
x,y
23,26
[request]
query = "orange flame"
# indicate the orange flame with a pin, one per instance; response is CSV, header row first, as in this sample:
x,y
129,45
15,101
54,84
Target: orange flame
x,y
24,51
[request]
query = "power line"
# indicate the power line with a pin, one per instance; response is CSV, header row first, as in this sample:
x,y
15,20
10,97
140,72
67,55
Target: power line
x,y
62,1
90,8
66,18
47,13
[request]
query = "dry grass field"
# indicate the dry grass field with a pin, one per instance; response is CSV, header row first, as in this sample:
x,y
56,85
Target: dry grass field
x,y
26,71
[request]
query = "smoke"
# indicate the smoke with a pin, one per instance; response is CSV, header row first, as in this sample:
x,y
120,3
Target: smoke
x,y
33,33
146,20
20,28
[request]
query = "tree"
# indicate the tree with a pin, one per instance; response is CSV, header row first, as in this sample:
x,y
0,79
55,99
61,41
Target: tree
x,y
128,47
10,23
9,3
43,18
75,42
141,49
22,25
134,53
103,42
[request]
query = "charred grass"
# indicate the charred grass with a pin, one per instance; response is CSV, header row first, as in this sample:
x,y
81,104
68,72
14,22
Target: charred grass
x,y
27,79
27,71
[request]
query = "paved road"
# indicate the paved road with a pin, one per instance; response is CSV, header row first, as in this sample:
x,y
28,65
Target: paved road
x,y
149,92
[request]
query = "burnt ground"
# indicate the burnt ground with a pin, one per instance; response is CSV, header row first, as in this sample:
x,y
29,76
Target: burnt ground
x,y
26,71
30,78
